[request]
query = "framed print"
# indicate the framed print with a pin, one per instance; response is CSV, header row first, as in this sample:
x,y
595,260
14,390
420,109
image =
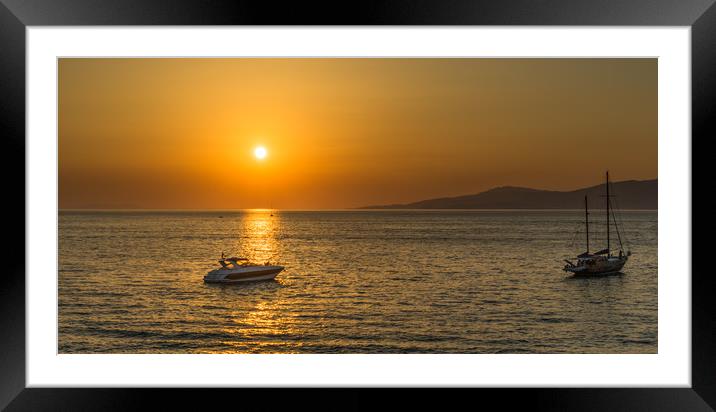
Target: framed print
x,y
477,195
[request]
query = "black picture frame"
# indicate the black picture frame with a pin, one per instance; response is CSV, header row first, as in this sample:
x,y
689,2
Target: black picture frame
x,y
16,15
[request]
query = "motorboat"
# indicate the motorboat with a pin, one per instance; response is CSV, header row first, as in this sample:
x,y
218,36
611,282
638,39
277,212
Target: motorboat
x,y
603,262
237,269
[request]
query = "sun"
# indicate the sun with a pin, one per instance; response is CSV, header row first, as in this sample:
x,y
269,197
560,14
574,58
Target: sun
x,y
260,152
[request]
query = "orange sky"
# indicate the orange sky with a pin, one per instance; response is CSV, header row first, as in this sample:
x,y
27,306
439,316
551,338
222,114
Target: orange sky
x,y
341,133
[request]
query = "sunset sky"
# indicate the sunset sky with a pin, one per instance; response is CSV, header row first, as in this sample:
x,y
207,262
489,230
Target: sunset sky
x,y
342,133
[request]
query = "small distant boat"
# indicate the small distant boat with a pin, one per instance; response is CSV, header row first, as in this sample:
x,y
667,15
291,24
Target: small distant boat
x,y
602,262
236,269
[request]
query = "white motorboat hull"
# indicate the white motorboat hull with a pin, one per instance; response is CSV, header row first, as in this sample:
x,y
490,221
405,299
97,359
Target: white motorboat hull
x,y
243,274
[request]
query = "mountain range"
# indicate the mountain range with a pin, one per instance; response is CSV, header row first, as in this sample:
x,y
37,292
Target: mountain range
x,y
630,194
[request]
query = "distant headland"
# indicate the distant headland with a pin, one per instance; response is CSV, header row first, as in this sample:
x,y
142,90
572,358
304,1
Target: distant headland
x,y
631,194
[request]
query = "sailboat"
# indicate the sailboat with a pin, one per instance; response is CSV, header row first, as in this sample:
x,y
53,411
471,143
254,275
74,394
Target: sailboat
x,y
602,262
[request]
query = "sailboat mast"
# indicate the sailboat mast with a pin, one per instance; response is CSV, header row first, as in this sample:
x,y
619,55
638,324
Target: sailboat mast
x,y
586,220
608,252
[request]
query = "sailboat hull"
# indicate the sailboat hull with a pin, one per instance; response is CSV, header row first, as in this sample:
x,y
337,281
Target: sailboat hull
x,y
598,267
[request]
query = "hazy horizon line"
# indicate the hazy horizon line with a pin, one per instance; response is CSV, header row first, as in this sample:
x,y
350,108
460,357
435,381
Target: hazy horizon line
x,y
369,207
342,210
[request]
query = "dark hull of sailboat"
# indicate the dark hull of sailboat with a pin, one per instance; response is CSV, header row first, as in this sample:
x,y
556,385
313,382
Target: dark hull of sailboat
x,y
599,268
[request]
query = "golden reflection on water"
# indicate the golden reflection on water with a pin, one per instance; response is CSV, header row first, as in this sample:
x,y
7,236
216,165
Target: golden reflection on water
x,y
266,325
261,328
257,237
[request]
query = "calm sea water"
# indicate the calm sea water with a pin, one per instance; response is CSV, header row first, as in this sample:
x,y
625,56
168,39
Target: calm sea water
x,y
355,282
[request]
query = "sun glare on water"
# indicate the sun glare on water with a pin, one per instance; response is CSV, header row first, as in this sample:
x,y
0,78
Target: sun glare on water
x,y
260,152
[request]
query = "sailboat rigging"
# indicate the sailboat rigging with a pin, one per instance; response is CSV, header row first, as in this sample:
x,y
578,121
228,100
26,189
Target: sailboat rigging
x,y
601,262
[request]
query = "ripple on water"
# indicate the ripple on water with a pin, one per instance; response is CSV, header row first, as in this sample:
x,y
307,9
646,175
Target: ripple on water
x,y
356,282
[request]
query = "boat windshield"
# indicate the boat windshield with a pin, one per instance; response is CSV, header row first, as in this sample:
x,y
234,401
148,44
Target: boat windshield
x,y
234,261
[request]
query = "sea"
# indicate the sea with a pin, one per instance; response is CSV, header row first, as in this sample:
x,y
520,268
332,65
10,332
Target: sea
x,y
356,281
